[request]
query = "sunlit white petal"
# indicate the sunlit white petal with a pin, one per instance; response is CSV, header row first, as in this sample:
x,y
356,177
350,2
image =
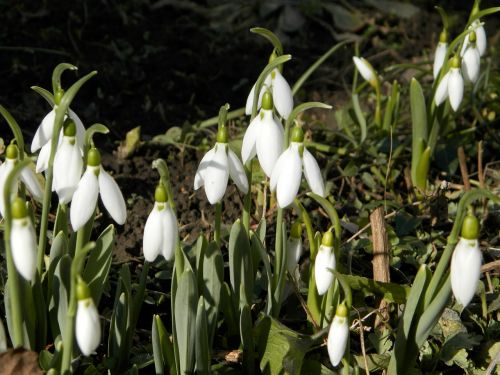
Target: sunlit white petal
x,y
325,260
170,233
23,247
199,180
439,58
217,175
42,162
470,64
68,164
84,199
32,183
269,142
337,339
282,95
153,235
465,270
363,68
249,145
44,132
111,197
236,171
455,88
442,90
289,179
87,327
481,39
313,173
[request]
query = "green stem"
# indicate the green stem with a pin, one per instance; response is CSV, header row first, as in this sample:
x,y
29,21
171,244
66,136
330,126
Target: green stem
x,y
378,106
278,262
218,217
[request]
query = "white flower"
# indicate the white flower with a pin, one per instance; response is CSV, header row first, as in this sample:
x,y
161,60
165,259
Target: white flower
x,y
338,335
324,263
214,171
471,62
439,57
366,70
451,86
465,270
287,174
481,39
44,132
281,91
294,247
87,326
96,181
160,231
23,240
27,176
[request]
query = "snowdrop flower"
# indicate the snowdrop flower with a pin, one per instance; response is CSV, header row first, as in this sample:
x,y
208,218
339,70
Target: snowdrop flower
x,y
264,137
471,59
466,262
27,176
366,70
68,164
96,181
338,335
324,263
481,40
451,86
160,231
217,166
440,54
287,172
281,91
294,247
87,323
23,240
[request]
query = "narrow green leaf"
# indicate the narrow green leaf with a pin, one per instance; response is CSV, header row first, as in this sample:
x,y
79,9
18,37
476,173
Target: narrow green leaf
x,y
264,257
240,264
423,170
157,348
16,130
391,107
228,309
391,292
202,347
360,117
46,94
213,277
58,310
246,334
40,309
419,124
118,330
163,349
201,245
269,35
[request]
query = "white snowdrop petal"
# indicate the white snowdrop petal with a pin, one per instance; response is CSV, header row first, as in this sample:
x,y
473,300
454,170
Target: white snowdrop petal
x,y
249,102
325,260
282,95
248,146
170,233
153,235
465,270
199,179
112,198
23,247
470,64
237,172
5,169
278,167
294,251
313,173
289,179
42,162
439,58
87,327
80,129
455,88
442,90
481,40
465,45
363,68
32,184
84,199
337,339
68,164
44,132
217,175
269,142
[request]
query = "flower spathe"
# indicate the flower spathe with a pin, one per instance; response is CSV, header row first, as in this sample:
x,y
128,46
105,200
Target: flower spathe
x,y
23,240
161,230
287,173
338,335
87,323
94,182
214,171
465,270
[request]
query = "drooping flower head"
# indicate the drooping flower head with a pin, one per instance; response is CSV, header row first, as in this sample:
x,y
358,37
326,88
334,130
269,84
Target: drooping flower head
x,y
440,54
281,91
87,323
23,240
68,164
27,176
481,40
94,182
466,262
294,246
471,59
287,172
338,335
263,137
324,263
451,86
366,70
217,166
160,231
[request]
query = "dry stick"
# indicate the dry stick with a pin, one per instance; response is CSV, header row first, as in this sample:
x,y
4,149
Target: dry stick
x,y
495,265
380,259
463,168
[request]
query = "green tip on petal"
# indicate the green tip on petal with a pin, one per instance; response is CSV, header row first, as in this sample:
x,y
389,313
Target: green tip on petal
x,y
12,152
161,195
82,290
267,100
472,37
297,134
443,37
342,311
455,62
327,239
58,96
470,227
69,128
18,209
94,157
296,231
222,135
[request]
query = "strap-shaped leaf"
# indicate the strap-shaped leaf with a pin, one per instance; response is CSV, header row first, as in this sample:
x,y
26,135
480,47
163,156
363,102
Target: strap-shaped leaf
x,y
213,277
202,346
163,350
246,334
